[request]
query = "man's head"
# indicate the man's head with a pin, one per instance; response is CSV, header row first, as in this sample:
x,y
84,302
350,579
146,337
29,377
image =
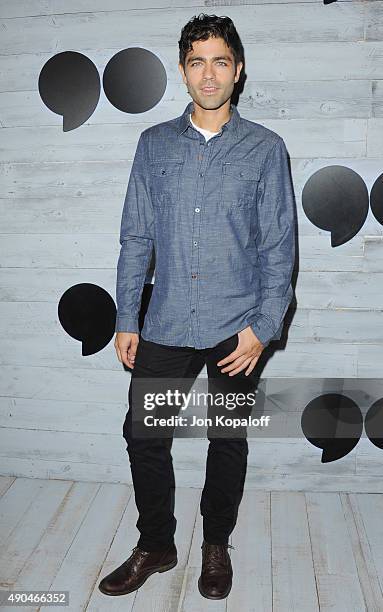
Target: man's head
x,y
210,54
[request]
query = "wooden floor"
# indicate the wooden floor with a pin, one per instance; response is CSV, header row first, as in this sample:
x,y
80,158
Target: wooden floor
x,y
294,551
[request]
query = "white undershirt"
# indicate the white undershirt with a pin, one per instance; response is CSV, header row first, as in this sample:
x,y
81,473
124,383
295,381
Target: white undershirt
x,y
206,133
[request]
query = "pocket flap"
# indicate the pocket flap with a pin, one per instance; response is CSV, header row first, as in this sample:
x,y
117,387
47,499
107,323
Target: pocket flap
x,y
165,167
241,171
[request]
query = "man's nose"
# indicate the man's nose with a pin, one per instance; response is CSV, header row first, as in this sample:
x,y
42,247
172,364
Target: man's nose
x,y
208,72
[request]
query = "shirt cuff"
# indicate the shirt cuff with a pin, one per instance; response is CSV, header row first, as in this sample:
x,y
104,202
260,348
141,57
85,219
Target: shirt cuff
x,y
263,331
126,323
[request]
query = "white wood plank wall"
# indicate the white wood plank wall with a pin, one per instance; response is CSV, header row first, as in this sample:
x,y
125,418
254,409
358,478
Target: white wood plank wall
x,y
315,76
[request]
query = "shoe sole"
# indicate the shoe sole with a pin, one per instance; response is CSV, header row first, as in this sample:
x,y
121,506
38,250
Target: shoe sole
x,y
214,596
164,568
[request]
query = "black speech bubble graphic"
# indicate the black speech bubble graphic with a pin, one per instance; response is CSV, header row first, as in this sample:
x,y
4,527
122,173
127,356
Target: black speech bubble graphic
x,y
69,85
335,199
88,313
376,199
134,80
334,423
373,423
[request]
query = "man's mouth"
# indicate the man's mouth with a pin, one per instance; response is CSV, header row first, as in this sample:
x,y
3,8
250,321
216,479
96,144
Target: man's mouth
x,y
209,89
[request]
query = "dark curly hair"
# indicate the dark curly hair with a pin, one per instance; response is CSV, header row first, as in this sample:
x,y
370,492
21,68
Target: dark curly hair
x,y
201,27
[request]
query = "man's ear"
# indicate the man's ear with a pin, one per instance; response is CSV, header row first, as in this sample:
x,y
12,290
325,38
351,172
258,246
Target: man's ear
x,y
239,67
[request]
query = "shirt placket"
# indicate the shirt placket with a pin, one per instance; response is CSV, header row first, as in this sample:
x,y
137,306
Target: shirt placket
x,y
204,149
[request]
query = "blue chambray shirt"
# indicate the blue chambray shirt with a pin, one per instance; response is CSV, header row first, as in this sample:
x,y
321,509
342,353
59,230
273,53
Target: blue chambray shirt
x,y
220,217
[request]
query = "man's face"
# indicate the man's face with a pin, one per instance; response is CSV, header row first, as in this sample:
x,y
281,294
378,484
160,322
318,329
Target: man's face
x,y
209,72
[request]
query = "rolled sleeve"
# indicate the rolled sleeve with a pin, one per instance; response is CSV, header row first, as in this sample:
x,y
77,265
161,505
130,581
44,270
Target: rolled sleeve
x,y
275,240
136,240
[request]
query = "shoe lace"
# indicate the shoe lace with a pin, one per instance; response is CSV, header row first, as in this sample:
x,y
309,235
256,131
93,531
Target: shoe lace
x,y
135,549
214,555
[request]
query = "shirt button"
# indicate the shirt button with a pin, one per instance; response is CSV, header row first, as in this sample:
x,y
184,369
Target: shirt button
x,y
201,173
195,242
193,310
197,209
194,275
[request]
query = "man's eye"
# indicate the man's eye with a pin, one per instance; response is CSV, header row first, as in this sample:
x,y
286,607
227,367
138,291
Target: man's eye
x,y
195,63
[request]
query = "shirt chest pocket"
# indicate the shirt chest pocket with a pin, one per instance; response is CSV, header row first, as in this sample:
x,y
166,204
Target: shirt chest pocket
x,y
165,181
239,184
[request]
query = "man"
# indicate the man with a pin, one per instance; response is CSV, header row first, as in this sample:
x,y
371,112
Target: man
x,y
211,193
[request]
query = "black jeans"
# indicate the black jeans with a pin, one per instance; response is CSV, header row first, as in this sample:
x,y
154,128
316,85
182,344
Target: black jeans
x,y
151,460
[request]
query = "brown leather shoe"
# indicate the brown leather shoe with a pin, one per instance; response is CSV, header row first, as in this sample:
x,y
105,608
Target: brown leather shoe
x,y
132,574
216,576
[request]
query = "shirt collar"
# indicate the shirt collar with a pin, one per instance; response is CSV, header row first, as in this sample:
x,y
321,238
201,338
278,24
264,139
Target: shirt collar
x,y
231,125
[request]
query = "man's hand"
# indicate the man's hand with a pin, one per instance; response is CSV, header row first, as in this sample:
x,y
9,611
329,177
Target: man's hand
x,y
246,354
126,347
